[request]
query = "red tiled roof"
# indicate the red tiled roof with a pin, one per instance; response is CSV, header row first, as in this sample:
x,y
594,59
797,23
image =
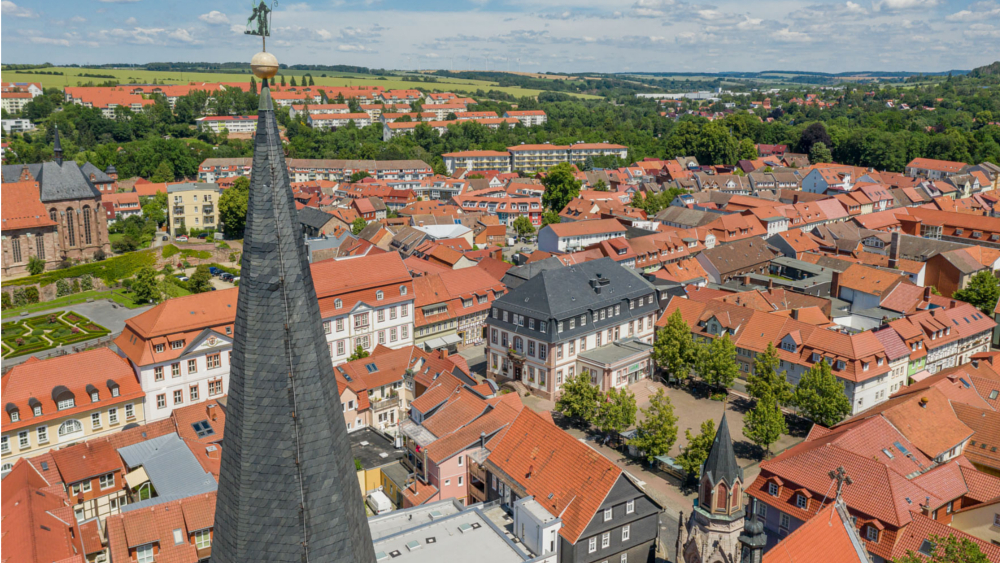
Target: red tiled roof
x,y
37,380
568,478
947,166
37,519
824,537
156,524
580,228
23,208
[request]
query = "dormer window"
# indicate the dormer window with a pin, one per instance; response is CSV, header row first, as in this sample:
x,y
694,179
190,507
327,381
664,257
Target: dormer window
x,y
802,502
159,348
379,295
872,533
402,290
38,410
15,415
815,357
95,397
879,362
67,403
864,366
176,344
337,304
841,365
772,489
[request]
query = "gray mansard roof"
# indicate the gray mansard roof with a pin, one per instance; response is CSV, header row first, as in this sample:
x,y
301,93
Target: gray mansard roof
x,y
571,292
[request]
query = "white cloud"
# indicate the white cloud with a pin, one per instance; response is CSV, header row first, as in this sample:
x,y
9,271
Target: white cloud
x,y
214,17
978,12
749,23
137,35
237,28
652,8
183,35
901,5
78,19
12,10
323,34
118,1
790,36
131,21
50,41
348,48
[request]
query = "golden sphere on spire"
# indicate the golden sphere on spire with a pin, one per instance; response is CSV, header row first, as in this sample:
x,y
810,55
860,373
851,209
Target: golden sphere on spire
x,y
264,65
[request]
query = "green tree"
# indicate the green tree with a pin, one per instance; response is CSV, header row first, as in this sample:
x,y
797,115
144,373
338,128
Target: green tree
x,y
820,153
144,288
657,431
359,175
233,207
550,217
164,173
820,395
359,353
616,411
155,208
601,186
560,186
358,225
766,381
523,227
747,150
282,80
696,451
716,363
674,347
201,280
292,83
981,292
765,423
35,265
579,399
948,549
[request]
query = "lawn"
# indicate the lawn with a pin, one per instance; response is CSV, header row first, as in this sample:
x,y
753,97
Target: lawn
x,y
72,77
34,334
117,295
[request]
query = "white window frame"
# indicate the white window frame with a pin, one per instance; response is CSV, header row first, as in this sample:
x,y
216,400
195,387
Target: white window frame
x,y
630,507
144,553
592,545
605,540
626,532
608,514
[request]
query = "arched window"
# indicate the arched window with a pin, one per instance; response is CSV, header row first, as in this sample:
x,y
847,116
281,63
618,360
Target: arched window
x,y
40,246
15,248
86,225
70,232
70,427
337,303
518,343
379,295
720,497
737,496
402,290
54,215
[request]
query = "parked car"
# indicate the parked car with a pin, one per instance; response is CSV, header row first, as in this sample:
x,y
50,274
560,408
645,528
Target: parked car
x,y
181,277
214,271
166,238
182,238
203,236
226,277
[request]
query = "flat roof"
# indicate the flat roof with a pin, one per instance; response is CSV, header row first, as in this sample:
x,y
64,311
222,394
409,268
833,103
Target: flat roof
x,y
372,449
436,532
191,186
618,351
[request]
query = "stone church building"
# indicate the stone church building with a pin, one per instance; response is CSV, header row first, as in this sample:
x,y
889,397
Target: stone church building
x,y
52,210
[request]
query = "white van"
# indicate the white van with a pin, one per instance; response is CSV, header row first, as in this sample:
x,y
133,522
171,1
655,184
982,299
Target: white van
x,y
379,502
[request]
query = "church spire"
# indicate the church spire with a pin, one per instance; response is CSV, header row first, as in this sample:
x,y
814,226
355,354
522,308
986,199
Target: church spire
x,y
57,147
720,465
288,490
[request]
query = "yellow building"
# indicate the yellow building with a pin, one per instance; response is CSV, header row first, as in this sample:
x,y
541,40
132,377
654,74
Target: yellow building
x,y
193,206
65,400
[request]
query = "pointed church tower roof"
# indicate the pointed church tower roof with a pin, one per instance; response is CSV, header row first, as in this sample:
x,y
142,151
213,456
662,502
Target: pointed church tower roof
x,y
288,490
721,462
57,146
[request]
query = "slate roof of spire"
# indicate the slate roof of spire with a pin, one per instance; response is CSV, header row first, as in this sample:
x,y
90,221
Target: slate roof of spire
x,y
720,465
287,485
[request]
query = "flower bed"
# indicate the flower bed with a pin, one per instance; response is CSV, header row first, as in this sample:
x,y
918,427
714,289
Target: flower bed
x,y
34,334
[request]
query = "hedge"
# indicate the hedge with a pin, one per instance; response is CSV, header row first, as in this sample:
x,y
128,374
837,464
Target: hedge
x,y
171,250
109,271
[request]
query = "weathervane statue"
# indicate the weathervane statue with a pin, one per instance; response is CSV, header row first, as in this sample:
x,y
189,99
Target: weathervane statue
x,y
264,65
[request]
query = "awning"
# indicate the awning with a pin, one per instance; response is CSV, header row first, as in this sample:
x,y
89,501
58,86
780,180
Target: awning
x,y
442,342
136,478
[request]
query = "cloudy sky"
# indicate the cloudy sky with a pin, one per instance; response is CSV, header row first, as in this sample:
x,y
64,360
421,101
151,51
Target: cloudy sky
x,y
533,35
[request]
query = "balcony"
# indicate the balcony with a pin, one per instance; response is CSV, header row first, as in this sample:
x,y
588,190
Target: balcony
x,y
384,404
179,210
207,209
516,355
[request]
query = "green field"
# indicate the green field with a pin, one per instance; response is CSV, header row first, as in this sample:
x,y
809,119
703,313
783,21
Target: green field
x,y
71,77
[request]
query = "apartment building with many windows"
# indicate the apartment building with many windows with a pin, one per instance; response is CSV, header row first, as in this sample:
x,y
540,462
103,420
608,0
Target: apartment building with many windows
x,y
180,350
66,399
538,331
365,301
228,123
192,206
474,161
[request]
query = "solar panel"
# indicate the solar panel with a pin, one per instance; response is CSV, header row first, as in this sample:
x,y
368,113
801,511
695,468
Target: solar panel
x,y
901,448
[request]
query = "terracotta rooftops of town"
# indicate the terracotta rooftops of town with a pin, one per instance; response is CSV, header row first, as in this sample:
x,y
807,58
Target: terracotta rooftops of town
x,y
37,519
568,478
158,524
583,228
826,537
493,422
946,166
870,280
335,277
43,383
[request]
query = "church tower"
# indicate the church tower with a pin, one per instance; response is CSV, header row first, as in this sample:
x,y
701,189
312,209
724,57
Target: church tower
x,y
288,491
713,531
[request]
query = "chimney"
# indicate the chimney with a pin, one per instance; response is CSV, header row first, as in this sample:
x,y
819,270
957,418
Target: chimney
x,y
444,353
746,280
212,451
795,314
923,402
482,439
531,468
210,409
927,293
770,284
894,250
835,285
975,363
952,304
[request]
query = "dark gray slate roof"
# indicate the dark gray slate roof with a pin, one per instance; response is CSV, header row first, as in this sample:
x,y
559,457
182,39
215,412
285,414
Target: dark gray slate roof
x,y
171,467
720,465
58,182
519,274
100,177
288,490
312,217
